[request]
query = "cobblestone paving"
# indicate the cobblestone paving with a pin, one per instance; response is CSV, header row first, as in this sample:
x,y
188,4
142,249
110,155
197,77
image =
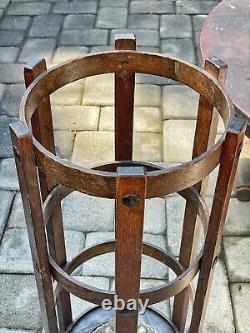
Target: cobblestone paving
x,y
83,122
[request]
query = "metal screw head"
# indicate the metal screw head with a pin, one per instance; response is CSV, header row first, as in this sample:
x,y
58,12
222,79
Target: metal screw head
x,y
131,200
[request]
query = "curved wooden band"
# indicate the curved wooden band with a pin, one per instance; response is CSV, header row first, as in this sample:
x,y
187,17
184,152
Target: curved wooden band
x,y
96,296
102,183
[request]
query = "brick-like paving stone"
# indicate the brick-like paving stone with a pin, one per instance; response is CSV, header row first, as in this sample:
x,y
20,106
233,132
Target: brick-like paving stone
x,y
74,22
16,219
12,98
70,94
19,300
67,52
78,305
236,226
8,54
11,73
241,295
143,37
104,264
78,7
111,17
6,199
15,22
75,118
142,21
180,48
152,6
38,47
237,258
5,141
176,146
8,176
86,213
179,102
87,37
28,8
176,26
114,3
195,7
64,141
46,26
146,119
11,38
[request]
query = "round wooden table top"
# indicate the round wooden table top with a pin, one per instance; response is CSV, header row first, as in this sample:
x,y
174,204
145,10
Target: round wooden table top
x,y
226,35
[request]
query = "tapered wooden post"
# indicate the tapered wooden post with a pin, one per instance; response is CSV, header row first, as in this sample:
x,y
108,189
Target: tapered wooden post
x,y
228,166
124,103
42,129
29,186
205,134
130,201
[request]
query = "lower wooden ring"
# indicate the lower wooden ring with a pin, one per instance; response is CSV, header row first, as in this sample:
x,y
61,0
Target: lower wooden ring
x,y
95,317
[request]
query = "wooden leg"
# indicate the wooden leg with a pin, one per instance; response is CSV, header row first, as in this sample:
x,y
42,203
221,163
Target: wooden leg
x,y
228,166
130,201
124,103
29,186
42,129
206,129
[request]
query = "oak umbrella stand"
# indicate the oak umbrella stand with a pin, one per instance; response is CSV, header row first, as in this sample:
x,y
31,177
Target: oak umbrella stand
x,y
45,180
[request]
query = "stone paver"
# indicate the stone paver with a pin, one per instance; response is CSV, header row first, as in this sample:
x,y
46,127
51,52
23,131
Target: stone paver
x,y
75,118
28,8
8,176
104,264
67,52
70,94
180,48
5,141
6,199
64,141
241,295
20,300
83,119
86,213
85,37
46,26
78,305
173,26
142,21
8,54
111,17
237,258
15,22
152,6
179,102
38,47
11,38
12,98
176,146
146,119
78,7
74,22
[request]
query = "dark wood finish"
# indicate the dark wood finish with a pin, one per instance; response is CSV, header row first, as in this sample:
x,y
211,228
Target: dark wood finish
x,y
228,166
29,186
42,129
130,183
205,133
130,202
124,102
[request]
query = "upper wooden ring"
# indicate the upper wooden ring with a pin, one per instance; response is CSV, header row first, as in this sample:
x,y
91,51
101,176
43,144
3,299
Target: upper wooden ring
x,y
103,183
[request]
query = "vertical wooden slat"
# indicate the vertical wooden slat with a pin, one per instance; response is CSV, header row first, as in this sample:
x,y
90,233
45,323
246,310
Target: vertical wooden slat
x,y
205,134
130,201
42,129
226,176
124,103
29,186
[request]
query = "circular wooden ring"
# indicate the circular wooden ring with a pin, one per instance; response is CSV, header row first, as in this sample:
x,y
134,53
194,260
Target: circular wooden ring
x,y
96,295
103,183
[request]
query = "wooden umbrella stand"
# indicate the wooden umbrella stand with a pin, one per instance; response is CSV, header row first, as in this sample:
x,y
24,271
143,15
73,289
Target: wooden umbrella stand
x,y
45,180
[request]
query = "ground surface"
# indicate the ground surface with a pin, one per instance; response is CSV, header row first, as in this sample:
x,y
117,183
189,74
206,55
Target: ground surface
x,y
83,118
